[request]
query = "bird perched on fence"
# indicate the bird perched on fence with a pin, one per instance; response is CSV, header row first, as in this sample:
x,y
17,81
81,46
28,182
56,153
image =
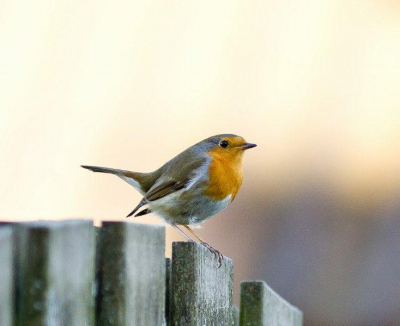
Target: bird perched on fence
x,y
193,186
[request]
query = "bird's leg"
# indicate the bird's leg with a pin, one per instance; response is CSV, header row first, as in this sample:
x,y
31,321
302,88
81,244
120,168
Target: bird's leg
x,y
205,244
181,232
195,235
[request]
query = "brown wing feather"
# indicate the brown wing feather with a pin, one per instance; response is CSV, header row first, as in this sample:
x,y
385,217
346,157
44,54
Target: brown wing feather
x,y
144,212
175,175
164,189
142,202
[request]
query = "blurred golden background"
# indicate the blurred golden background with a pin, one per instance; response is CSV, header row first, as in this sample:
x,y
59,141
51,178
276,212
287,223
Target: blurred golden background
x,y
130,84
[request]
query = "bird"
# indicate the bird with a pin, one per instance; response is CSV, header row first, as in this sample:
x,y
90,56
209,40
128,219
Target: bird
x,y
193,186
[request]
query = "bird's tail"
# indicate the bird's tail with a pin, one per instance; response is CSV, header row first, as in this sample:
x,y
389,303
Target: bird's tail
x,y
140,181
103,170
100,169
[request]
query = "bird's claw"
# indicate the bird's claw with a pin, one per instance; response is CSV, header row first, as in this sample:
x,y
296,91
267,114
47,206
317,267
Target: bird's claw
x,y
214,251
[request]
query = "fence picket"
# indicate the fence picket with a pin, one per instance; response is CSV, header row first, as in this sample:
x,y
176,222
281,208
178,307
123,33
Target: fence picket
x,y
131,274
56,273
6,277
201,293
261,306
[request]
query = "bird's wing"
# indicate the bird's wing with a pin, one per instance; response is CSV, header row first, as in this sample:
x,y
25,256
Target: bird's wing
x,y
175,177
142,202
164,189
144,212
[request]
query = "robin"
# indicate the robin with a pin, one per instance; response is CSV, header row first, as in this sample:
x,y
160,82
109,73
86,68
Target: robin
x,y
193,186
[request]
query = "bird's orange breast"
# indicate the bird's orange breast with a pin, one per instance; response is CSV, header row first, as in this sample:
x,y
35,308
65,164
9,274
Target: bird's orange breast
x,y
225,174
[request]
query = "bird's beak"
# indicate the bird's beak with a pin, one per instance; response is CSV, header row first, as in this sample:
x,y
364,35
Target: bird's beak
x,y
247,146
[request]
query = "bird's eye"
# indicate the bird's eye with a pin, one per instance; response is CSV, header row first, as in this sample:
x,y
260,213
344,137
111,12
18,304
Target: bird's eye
x,y
223,144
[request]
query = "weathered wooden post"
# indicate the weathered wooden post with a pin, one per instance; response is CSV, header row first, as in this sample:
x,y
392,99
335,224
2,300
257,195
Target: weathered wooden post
x,y
167,290
6,277
235,316
261,306
63,279
201,294
131,280
56,273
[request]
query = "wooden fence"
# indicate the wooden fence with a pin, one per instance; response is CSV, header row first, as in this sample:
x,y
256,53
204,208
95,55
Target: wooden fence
x,y
70,273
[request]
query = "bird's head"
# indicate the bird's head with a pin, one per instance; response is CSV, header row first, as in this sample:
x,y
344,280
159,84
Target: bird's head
x,y
226,145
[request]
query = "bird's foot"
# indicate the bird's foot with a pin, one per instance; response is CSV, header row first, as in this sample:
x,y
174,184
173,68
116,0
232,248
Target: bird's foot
x,y
216,252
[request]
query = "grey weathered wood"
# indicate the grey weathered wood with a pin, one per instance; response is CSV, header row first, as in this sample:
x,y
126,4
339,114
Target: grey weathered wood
x,y
132,274
56,273
6,277
201,294
15,255
235,316
261,306
96,293
168,289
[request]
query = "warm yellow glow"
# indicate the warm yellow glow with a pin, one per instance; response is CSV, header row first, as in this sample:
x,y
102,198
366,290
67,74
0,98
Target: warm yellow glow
x,y
131,83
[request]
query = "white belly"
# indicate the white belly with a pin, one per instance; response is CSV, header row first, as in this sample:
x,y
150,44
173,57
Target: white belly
x,y
176,208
